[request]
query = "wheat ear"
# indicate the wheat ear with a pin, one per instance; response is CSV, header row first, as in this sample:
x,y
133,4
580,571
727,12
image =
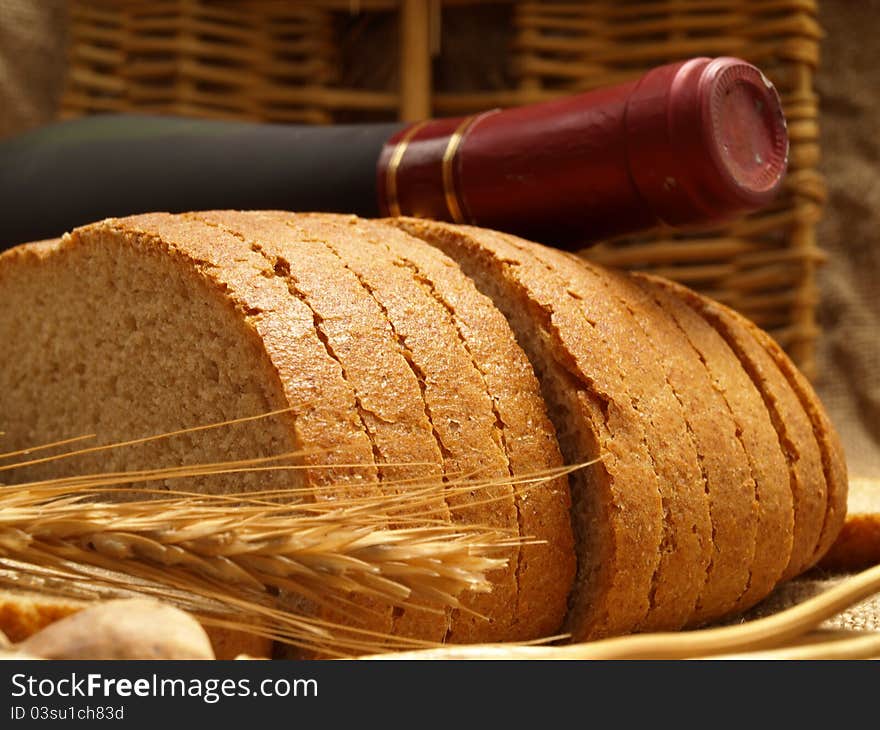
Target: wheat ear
x,y
226,557
222,556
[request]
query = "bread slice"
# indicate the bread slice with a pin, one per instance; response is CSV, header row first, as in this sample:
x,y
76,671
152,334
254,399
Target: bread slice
x,y
618,526
858,545
795,430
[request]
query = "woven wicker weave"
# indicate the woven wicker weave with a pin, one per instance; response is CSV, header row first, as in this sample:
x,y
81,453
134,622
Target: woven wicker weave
x,y
262,61
281,61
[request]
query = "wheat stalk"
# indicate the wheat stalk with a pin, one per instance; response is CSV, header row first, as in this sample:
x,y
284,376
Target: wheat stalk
x,y
784,635
333,552
223,557
226,558
234,556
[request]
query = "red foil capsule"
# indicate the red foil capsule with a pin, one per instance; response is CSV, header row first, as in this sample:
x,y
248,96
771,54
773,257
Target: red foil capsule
x,y
690,142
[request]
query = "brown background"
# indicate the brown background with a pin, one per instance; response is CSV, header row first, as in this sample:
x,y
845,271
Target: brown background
x,y
849,351
32,53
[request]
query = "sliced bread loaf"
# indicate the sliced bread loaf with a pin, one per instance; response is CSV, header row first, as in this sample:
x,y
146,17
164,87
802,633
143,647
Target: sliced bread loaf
x,y
407,350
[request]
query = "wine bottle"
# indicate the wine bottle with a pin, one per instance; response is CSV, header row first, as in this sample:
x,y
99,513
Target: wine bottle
x,y
690,142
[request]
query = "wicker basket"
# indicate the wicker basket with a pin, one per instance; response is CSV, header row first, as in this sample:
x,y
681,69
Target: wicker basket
x,y
327,60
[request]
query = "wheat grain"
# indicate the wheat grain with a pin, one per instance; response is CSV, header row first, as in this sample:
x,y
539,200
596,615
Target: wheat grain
x,y
225,553
225,557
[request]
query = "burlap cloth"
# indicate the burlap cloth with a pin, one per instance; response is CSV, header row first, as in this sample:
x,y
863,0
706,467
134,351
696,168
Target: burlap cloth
x,y
849,351
32,53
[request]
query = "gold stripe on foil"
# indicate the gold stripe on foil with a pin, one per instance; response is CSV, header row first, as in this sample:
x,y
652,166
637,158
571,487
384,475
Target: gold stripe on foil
x,y
449,191
453,203
393,164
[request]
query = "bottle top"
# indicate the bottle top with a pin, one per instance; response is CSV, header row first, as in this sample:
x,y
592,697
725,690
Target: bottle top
x,y
690,142
716,129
